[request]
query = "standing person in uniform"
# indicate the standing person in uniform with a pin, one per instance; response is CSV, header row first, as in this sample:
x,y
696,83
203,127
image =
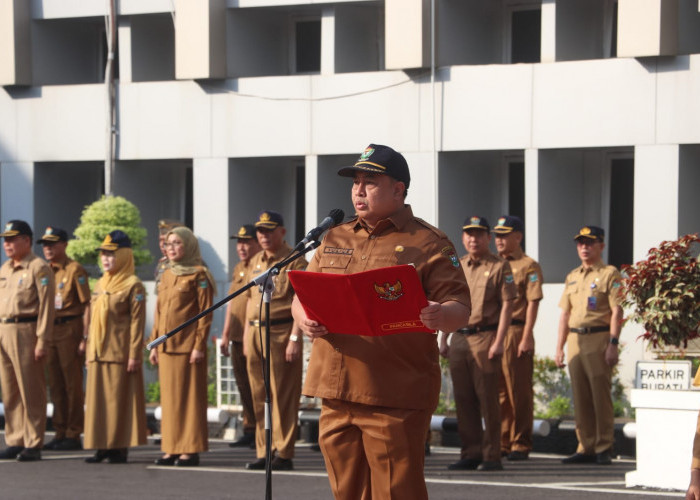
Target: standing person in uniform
x,y
285,347
515,392
379,393
246,246
693,492
475,351
27,290
164,227
115,414
186,288
66,350
591,319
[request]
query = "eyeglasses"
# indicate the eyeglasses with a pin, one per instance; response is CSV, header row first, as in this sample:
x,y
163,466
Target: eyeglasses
x,y
174,244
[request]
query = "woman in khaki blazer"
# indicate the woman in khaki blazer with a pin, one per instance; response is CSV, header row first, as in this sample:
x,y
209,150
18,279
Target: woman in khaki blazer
x,y
115,415
185,289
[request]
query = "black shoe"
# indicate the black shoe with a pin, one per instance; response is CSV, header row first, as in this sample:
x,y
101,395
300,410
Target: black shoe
x,y
517,455
51,445
67,444
29,455
487,466
603,458
259,464
10,452
244,441
279,463
579,458
465,464
193,461
117,456
165,461
97,457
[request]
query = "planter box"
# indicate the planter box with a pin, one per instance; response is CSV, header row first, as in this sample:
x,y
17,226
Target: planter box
x,y
665,427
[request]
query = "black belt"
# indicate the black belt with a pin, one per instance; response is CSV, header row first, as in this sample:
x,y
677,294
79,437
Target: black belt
x,y
590,329
477,329
272,322
27,319
66,319
517,322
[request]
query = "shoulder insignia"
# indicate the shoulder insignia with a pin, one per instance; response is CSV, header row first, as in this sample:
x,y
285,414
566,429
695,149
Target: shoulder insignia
x,y
533,278
450,253
509,279
616,284
82,280
44,281
203,284
138,297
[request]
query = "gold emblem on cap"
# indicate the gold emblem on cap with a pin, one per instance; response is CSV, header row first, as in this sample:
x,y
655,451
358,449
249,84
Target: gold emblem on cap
x,y
241,231
475,220
265,217
501,221
586,230
399,248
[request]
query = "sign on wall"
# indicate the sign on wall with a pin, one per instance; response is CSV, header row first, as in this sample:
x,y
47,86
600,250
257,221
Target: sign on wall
x,y
663,375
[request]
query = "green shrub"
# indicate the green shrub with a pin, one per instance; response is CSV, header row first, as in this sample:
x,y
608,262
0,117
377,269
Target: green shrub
x,y
153,392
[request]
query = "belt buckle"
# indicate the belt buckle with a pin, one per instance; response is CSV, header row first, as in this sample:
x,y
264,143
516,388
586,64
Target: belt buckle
x,y
256,322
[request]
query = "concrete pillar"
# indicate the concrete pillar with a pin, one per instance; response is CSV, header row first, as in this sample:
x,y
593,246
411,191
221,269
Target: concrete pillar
x,y
548,46
656,175
328,41
124,40
532,202
407,34
647,28
200,39
16,193
311,209
15,44
422,192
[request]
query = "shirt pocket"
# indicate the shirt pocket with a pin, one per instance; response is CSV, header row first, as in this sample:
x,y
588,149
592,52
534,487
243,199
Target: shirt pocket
x,y
334,263
121,303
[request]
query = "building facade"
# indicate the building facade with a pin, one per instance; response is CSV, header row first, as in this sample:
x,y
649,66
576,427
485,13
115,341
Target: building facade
x,y
566,112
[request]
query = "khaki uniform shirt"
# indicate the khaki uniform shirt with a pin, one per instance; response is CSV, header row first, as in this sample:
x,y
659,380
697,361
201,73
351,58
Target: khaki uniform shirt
x,y
591,294
491,283
72,288
28,290
281,303
126,319
396,371
179,299
527,275
238,305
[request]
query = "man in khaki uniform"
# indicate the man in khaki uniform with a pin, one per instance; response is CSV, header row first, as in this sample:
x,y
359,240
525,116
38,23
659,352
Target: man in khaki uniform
x,y
592,314
27,290
285,347
515,394
379,393
475,351
65,359
247,245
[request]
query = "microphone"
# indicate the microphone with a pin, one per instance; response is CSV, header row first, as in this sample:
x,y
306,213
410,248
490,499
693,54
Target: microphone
x,y
334,217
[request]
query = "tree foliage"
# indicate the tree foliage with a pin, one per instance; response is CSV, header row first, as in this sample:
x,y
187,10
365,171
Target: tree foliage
x,y
101,218
663,292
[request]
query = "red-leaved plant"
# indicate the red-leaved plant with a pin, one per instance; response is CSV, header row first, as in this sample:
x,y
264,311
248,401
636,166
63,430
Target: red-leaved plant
x,y
663,293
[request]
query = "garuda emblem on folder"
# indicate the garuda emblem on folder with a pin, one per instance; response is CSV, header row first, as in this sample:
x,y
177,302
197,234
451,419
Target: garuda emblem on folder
x,y
388,291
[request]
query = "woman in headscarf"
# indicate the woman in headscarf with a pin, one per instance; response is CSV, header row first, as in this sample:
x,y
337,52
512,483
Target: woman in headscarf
x,y
115,415
186,288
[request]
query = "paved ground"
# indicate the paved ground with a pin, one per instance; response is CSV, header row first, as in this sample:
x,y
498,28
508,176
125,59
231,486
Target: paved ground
x,y
64,475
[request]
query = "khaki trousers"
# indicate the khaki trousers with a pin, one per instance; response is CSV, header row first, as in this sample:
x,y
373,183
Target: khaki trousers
x,y
23,386
372,452
285,387
475,382
591,383
515,394
65,369
240,371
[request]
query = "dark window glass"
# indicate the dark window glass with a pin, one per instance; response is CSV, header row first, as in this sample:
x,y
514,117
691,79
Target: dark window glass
x,y
525,36
308,46
620,235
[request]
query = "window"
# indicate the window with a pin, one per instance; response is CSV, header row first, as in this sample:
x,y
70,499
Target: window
x,y
307,46
525,35
621,216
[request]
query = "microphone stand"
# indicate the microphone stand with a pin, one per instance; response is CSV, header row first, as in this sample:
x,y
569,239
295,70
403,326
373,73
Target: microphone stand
x,y
267,286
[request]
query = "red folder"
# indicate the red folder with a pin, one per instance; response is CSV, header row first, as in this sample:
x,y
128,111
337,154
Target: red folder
x,y
379,302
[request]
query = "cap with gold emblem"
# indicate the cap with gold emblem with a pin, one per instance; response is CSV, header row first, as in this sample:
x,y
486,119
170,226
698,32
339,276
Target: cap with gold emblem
x,y
476,222
380,159
15,227
269,220
509,223
115,240
53,234
591,233
166,225
246,232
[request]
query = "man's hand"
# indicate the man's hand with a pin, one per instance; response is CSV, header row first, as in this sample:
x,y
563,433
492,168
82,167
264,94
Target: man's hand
x,y
132,366
611,355
196,356
432,315
527,345
496,349
82,346
444,346
153,357
293,350
559,358
223,347
39,354
693,492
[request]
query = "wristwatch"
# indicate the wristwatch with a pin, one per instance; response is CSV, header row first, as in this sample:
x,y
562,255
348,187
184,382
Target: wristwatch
x,y
294,338
614,340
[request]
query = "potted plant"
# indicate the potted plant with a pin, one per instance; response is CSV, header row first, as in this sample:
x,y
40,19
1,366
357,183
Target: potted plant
x,y
662,293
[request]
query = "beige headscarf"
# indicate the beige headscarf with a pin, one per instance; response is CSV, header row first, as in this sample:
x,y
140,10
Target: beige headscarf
x,y
120,277
191,262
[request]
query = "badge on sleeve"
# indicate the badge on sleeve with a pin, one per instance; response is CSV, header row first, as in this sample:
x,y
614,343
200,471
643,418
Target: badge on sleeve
x,y
44,281
203,284
509,279
81,280
533,278
450,253
138,297
592,303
